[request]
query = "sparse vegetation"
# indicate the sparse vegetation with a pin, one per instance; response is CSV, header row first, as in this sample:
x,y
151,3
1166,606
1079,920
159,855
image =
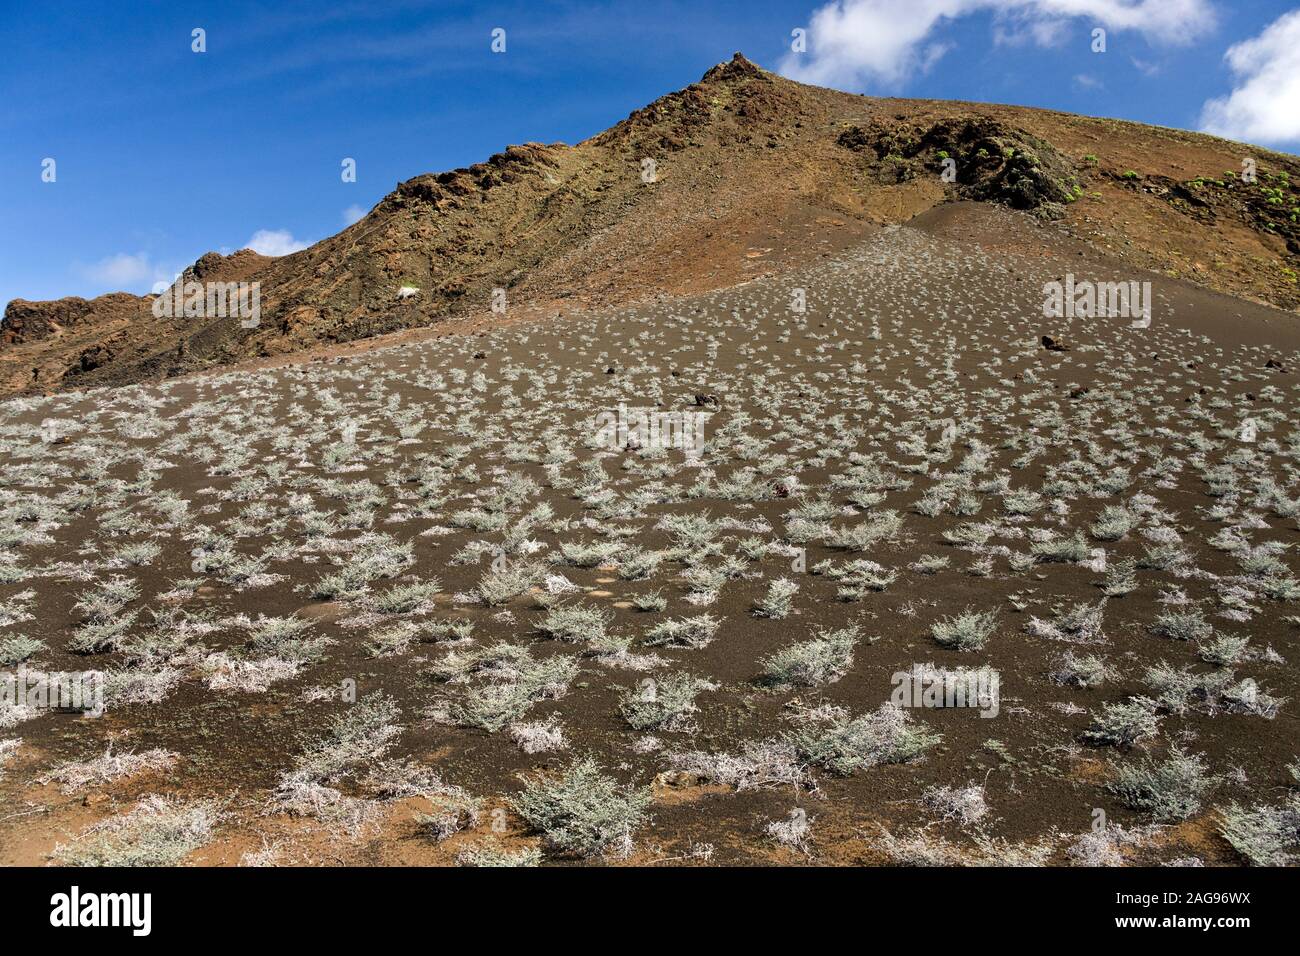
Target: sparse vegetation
x,y
1124,724
844,745
1171,789
583,811
968,631
317,583
824,659
157,831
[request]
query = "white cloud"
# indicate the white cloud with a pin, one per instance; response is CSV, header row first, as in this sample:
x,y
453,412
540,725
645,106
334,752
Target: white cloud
x,y
275,242
122,269
353,213
855,42
1264,106
1144,67
126,272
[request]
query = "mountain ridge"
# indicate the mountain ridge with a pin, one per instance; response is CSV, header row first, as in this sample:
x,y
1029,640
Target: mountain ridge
x,y
749,173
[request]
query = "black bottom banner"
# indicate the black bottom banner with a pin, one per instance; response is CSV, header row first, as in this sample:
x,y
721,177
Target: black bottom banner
x,y
334,905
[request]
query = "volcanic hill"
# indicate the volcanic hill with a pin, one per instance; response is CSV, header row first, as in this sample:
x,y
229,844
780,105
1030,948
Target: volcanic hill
x,y
742,174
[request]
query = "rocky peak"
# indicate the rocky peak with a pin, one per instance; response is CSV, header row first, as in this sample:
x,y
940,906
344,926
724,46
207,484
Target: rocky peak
x,y
739,67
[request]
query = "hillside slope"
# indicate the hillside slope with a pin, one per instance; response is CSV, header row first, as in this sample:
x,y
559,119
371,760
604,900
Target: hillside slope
x,y
752,174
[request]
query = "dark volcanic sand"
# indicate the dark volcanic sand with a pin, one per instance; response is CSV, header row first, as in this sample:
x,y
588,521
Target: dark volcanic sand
x,y
957,298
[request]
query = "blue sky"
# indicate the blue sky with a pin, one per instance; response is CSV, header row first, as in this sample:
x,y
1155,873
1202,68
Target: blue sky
x,y
162,153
